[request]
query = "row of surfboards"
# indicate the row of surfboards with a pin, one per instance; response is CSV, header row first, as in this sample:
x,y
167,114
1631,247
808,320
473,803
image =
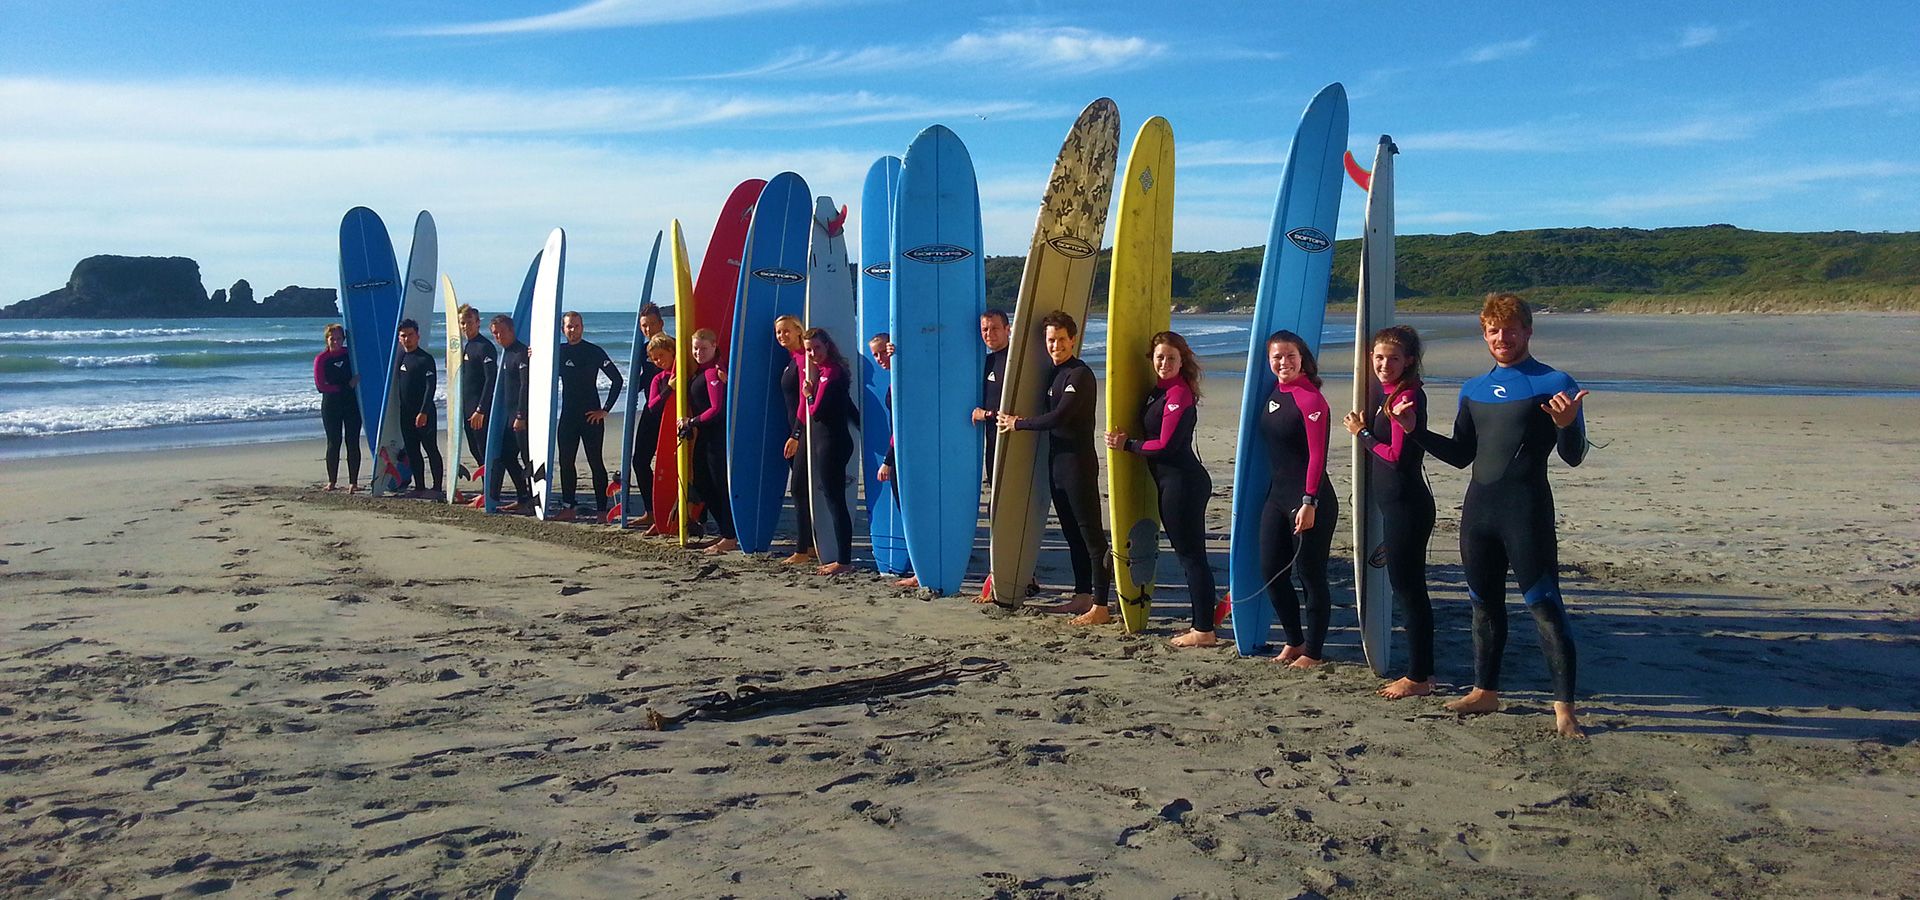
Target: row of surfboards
x,y
777,250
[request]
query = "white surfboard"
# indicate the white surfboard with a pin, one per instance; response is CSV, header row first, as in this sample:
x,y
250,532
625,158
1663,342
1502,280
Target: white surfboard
x,y
391,474
830,307
1374,311
456,429
543,342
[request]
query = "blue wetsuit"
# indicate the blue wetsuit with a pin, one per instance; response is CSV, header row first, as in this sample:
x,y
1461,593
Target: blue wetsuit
x,y
1507,519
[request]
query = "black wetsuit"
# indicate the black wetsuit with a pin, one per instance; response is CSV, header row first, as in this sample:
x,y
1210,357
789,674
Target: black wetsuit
x,y
646,430
1185,486
415,380
339,412
479,367
1507,518
511,457
990,386
706,400
1294,429
797,470
1400,492
831,415
579,366
1073,471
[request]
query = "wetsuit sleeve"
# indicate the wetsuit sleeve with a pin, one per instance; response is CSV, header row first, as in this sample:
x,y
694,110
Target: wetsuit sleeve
x,y
1572,440
1459,450
613,375
489,377
522,390
828,379
657,390
1077,393
1317,414
428,385
1180,400
716,398
1390,451
320,382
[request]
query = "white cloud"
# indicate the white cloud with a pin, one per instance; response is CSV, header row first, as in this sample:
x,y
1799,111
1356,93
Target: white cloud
x,y
1487,53
1080,49
1698,36
614,14
1765,183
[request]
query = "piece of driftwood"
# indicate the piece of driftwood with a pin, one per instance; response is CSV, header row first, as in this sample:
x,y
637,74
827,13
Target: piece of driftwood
x,y
752,700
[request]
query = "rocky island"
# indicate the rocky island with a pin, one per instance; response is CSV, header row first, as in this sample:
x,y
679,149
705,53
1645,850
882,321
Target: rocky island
x,y
162,287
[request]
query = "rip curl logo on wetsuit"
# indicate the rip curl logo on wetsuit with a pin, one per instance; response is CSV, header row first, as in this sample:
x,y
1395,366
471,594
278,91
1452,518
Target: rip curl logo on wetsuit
x,y
369,285
1500,390
422,285
880,270
776,275
937,254
1071,247
1310,239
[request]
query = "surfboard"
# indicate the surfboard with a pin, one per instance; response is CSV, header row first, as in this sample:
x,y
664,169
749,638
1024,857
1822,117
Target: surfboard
x,y
456,429
390,470
1374,311
370,292
635,388
1292,295
830,308
773,283
686,317
876,420
498,417
543,344
1139,305
1061,263
938,291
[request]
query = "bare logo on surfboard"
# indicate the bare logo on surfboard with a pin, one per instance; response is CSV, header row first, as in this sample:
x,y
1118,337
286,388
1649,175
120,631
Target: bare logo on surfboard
x,y
880,270
422,285
1146,179
1071,247
1310,239
937,254
776,275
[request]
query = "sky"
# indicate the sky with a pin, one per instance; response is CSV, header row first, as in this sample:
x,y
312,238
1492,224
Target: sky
x,y
239,133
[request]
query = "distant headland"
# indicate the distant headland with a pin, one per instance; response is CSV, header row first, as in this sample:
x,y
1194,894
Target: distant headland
x,y
162,287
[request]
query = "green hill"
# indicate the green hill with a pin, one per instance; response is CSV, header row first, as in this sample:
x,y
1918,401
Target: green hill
x,y
1707,268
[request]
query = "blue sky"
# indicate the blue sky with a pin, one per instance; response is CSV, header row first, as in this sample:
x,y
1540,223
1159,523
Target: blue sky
x,y
238,133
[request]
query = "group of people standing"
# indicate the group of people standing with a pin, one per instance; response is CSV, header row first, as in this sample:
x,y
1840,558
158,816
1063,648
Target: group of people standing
x,y
1508,424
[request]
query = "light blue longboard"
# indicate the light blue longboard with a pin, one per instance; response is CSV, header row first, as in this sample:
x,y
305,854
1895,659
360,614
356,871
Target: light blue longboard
x,y
830,308
773,283
498,445
939,283
876,421
391,471
370,293
1293,296
634,389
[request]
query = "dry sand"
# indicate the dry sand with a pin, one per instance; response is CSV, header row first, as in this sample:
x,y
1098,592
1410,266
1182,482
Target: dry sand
x,y
216,678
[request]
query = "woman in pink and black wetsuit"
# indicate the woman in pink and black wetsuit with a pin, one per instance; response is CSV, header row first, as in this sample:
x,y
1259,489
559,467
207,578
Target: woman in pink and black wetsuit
x,y
1183,482
831,417
706,389
334,378
1400,491
1297,523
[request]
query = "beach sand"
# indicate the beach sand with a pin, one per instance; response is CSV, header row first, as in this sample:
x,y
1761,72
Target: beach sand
x,y
216,677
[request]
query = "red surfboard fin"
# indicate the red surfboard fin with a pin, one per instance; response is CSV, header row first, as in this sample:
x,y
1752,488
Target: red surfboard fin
x,y
1360,176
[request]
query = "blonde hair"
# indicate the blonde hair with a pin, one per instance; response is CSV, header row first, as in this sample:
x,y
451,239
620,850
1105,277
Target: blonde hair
x,y
466,309
707,335
660,342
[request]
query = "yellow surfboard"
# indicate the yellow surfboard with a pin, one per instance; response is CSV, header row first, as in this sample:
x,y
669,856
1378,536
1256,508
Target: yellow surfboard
x,y
1139,305
683,322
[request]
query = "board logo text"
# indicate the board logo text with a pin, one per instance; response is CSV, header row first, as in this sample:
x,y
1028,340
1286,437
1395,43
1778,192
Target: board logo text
x,y
776,275
880,270
1071,247
1310,239
937,254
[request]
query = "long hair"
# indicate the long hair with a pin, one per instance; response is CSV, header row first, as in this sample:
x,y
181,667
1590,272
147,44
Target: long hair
x,y
1308,366
1189,364
328,331
1408,340
839,362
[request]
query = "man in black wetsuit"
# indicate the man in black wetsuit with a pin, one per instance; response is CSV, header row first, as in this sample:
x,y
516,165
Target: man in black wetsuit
x,y
414,384
583,416
1509,422
510,458
479,367
995,333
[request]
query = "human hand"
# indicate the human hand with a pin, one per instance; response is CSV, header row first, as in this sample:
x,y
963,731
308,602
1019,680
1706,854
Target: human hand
x,y
1354,423
1303,519
1563,409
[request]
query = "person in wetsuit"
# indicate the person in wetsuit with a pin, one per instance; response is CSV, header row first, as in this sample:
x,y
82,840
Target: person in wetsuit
x,y
479,368
646,423
787,333
831,417
1509,422
582,422
882,348
1298,519
706,429
510,458
994,332
333,377
1399,490
1184,484
415,381
1073,468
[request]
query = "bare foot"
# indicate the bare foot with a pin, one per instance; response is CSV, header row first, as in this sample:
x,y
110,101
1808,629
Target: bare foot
x,y
1095,616
644,520
1406,687
723,545
1478,701
1566,722
353,489
566,514
1304,661
1195,639
911,581
1075,605
799,556
838,568
1290,653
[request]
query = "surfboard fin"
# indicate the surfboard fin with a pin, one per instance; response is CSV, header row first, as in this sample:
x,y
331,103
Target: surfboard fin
x,y
613,487
613,515
838,224
1223,610
1360,176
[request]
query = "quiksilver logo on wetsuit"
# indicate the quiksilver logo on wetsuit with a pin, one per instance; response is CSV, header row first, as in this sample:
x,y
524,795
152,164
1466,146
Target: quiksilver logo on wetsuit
x,y
880,270
1310,239
1070,390
421,284
937,254
775,275
1071,247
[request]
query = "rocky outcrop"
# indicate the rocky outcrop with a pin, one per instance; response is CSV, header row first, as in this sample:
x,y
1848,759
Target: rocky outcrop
x,y
157,287
300,301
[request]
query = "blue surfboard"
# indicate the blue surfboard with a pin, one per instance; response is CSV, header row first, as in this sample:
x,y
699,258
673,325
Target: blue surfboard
x,y
635,388
1293,296
939,290
370,295
876,421
497,418
773,283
